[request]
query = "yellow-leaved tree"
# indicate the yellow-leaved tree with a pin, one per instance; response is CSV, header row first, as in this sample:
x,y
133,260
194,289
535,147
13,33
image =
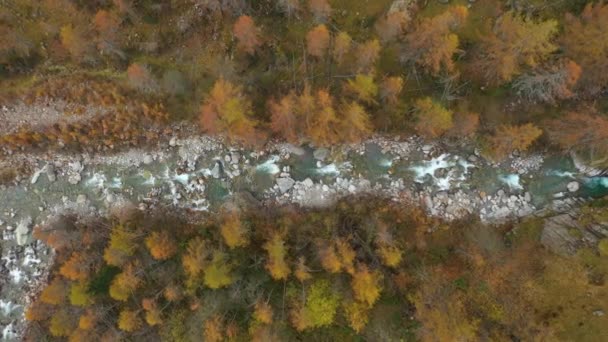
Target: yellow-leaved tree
x,y
276,263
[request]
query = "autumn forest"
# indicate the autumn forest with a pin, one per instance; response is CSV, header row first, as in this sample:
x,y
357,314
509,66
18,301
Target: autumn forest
x,y
501,77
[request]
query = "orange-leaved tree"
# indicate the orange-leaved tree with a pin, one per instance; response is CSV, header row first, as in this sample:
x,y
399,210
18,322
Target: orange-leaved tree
x,y
226,110
433,43
317,41
247,34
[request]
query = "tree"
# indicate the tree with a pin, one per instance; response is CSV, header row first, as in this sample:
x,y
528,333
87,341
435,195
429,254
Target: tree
x,y
508,138
122,245
390,89
107,25
246,33
284,117
87,320
226,110
79,295
262,312
173,292
322,126
364,87
580,132
277,251
392,25
355,124
320,9
366,285
433,43
194,260
233,231
302,272
341,46
218,272
55,292
319,309
153,314
465,124
213,329
125,283
317,41
62,323
432,119
549,85
391,256
357,314
129,320
77,267
141,78
75,41
584,42
161,245
367,54
329,258
514,44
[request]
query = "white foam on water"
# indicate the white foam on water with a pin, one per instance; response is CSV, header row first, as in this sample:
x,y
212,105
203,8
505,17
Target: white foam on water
x,y
512,180
269,166
429,167
558,173
330,170
386,162
96,181
116,183
16,275
184,178
8,332
7,307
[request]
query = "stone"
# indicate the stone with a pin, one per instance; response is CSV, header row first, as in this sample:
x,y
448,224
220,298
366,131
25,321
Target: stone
x,y
320,154
473,158
308,182
235,157
352,189
527,197
81,199
325,188
148,159
227,158
598,313
427,148
216,171
500,193
573,186
285,184
50,173
173,142
22,231
110,198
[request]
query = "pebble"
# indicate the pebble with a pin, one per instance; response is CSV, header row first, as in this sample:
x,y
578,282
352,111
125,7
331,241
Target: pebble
x,y
148,159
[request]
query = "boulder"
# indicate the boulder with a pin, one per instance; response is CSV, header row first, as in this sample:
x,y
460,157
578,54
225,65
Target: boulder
x,y
573,186
320,154
285,184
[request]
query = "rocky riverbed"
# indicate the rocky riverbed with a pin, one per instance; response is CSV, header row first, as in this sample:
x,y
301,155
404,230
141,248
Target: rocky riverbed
x,y
200,173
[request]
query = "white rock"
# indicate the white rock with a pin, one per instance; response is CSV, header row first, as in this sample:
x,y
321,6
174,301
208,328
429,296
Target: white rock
x,y
320,154
285,184
573,186
173,142
148,159
81,199
308,182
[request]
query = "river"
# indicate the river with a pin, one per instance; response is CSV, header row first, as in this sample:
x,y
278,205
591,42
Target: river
x,y
200,173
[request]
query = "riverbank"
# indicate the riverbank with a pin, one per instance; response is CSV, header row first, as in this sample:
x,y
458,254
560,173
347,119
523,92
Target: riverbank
x,y
200,173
